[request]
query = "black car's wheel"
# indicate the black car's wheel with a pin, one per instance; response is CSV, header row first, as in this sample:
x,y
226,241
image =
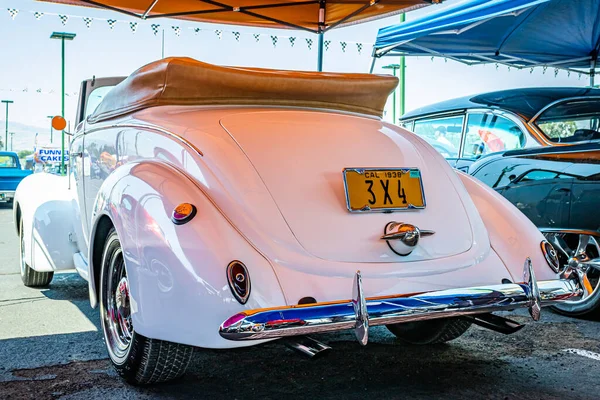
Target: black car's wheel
x,y
138,359
430,332
581,251
29,276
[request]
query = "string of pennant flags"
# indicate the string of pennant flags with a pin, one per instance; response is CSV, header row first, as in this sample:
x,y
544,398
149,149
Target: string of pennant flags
x,y
531,69
37,91
178,30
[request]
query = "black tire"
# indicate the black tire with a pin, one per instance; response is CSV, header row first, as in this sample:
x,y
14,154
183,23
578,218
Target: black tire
x,y
136,358
29,276
589,309
430,332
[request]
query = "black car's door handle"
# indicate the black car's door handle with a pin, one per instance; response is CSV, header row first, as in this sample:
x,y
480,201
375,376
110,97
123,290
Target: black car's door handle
x,y
564,190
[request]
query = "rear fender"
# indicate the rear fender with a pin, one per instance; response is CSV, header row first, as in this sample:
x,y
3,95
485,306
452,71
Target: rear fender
x,y
512,235
177,273
45,207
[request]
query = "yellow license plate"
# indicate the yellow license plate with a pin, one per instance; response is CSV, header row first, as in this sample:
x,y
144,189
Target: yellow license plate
x,y
383,189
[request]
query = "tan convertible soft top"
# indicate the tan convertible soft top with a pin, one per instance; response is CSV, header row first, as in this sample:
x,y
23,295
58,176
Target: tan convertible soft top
x,y
185,81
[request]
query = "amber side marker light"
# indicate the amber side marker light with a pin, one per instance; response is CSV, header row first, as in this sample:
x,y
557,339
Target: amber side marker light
x,y
183,213
239,281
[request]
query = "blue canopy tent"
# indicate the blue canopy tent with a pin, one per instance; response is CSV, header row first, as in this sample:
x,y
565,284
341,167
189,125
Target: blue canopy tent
x,y
561,34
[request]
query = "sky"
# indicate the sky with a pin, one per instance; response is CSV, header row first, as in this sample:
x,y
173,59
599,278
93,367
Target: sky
x,y
31,62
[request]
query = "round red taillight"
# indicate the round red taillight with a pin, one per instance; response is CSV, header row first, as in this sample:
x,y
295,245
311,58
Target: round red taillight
x,y
239,281
551,256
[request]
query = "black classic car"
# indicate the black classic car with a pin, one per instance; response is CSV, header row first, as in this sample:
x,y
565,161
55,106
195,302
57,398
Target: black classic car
x,y
468,128
539,148
558,188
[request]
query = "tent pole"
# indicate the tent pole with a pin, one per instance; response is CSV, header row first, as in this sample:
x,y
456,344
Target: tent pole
x,y
163,44
402,78
394,95
372,65
320,54
320,32
593,72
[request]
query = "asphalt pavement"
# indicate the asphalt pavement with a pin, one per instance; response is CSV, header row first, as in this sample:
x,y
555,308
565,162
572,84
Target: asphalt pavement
x,y
51,347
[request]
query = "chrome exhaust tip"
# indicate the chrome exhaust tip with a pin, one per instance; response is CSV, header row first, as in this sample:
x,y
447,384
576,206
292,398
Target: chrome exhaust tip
x,y
307,346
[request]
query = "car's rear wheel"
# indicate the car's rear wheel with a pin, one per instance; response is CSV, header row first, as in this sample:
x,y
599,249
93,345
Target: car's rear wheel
x,y
431,331
579,250
138,359
29,276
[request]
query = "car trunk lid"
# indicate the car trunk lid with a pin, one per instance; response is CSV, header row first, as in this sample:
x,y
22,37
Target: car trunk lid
x,y
300,156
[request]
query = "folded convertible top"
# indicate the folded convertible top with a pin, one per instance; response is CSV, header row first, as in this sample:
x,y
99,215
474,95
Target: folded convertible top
x,y
185,81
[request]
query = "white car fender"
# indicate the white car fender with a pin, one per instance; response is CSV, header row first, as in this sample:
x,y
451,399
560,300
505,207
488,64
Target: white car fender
x,y
177,273
512,235
45,207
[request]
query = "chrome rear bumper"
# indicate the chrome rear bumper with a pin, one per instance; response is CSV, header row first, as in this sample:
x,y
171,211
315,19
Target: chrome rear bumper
x,y
360,312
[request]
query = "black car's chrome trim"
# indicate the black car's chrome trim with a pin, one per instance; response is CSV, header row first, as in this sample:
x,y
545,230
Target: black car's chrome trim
x,y
463,134
570,149
460,112
572,231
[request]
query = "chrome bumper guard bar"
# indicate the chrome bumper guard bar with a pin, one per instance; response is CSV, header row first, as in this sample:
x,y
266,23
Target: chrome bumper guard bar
x,y
360,312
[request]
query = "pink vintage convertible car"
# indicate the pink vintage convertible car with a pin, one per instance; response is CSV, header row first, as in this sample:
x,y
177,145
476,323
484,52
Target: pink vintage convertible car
x,y
223,207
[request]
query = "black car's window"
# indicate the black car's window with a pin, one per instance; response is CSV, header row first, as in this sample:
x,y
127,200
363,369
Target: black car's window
x,y
488,133
571,121
539,175
441,133
8,162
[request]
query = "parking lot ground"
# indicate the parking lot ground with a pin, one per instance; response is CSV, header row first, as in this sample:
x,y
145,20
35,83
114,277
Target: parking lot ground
x,y
51,347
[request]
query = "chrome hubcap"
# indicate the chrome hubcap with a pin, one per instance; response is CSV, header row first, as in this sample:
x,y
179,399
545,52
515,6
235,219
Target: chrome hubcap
x,y
122,307
579,254
117,319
